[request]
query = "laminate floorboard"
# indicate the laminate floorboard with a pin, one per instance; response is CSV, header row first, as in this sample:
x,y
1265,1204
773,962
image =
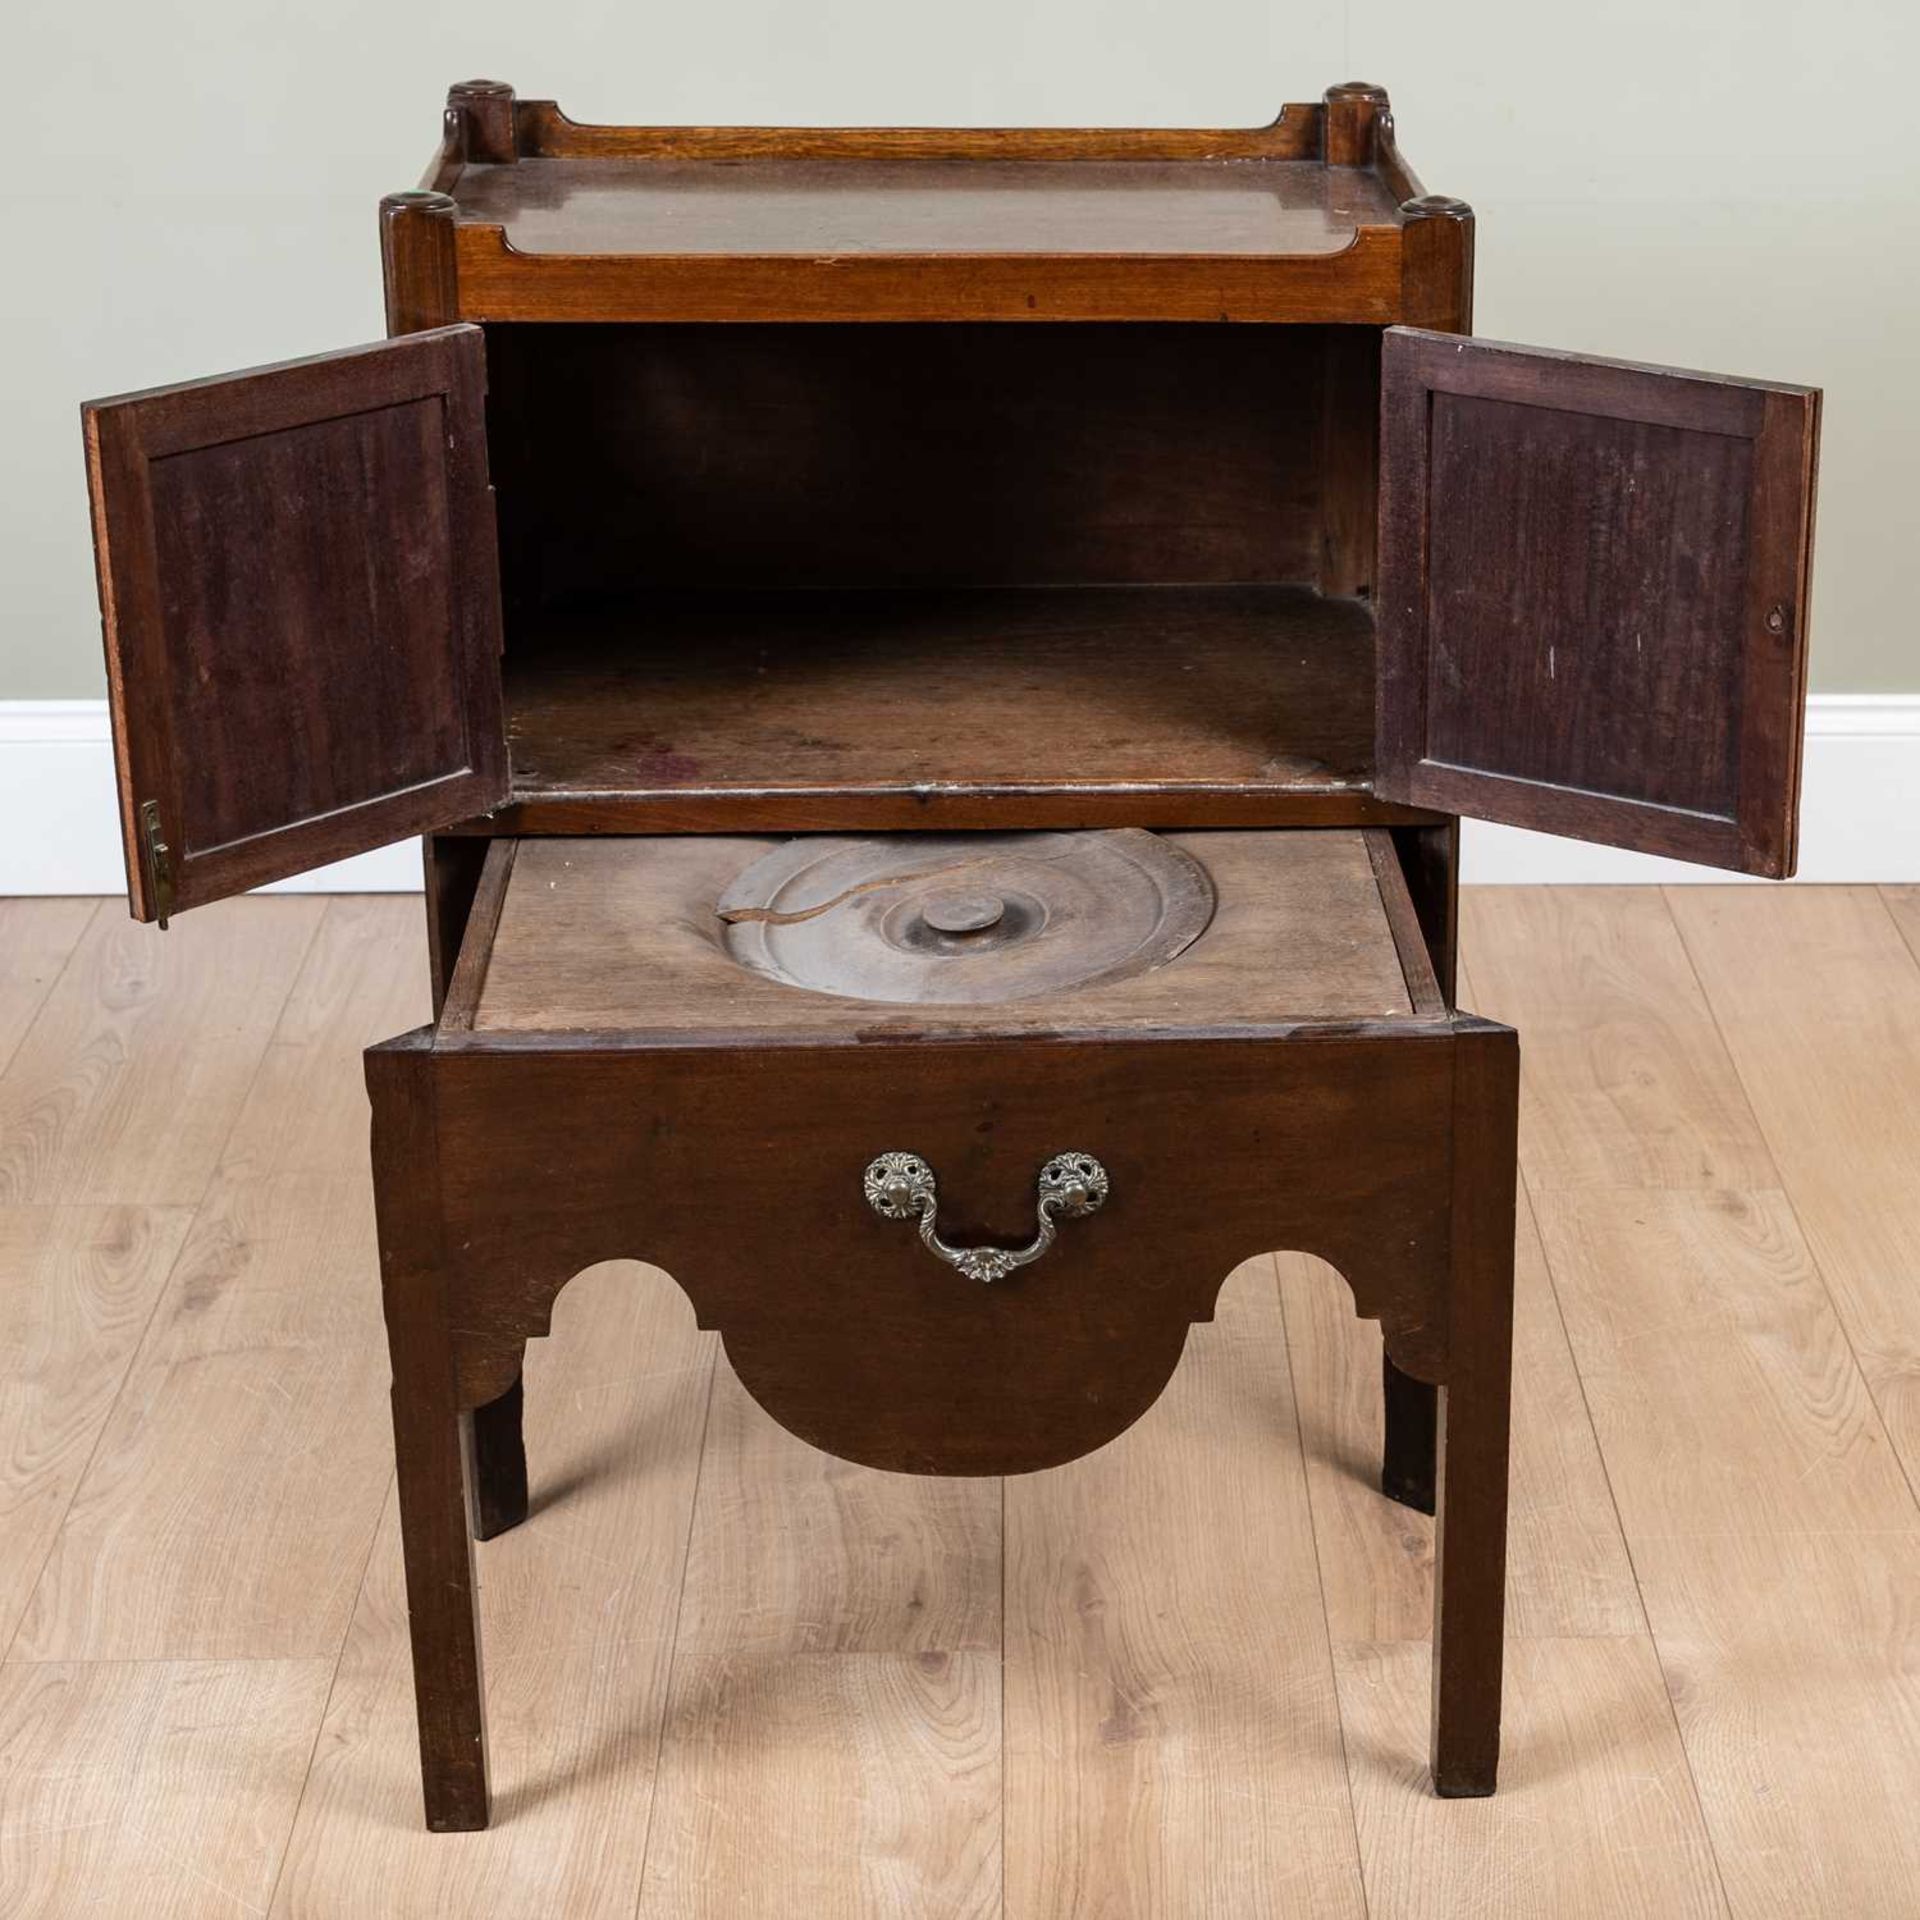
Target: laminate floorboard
x,y
1187,1675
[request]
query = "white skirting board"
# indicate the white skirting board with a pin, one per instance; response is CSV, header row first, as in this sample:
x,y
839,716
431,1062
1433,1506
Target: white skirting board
x,y
1860,815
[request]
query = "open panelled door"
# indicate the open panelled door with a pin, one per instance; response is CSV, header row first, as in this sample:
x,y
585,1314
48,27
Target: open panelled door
x,y
299,587
1592,597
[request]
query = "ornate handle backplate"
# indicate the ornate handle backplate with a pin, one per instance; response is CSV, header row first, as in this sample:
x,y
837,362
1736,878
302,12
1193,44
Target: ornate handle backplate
x,y
901,1186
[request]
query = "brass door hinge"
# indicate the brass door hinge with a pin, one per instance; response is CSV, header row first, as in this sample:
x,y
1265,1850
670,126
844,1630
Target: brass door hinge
x,y
156,863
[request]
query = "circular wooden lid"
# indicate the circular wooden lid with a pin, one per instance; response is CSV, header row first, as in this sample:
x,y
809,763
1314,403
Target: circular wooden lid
x,y
961,919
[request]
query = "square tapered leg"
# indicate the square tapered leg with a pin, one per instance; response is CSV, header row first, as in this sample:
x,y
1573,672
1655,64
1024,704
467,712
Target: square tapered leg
x,y
496,1458
442,1611
1470,1557
1411,1423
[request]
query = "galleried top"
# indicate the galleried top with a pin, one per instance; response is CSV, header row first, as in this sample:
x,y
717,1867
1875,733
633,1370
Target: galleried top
x,y
1300,220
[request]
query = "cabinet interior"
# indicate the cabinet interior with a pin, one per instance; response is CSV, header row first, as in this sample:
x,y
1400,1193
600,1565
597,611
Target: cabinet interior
x,y
850,570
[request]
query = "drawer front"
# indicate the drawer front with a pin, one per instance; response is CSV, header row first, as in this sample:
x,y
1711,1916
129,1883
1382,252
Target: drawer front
x,y
742,1171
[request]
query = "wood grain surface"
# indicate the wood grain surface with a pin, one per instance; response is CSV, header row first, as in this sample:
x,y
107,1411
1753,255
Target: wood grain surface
x,y
300,598
1595,1815
37,938
767,207
832,1736
1834,1098
1748,1422
580,1607
1593,590
1135,1726
1567,1566
160,1787
1710,1704
81,1286
1625,1081
263,1348
982,708
623,936
931,455
125,1085
1299,220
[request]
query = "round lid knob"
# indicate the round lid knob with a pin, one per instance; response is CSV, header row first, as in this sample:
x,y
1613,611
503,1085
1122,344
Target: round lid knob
x,y
962,912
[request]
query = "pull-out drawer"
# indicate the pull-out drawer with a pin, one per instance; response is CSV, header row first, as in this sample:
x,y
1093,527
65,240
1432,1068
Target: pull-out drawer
x,y
941,1230
1155,933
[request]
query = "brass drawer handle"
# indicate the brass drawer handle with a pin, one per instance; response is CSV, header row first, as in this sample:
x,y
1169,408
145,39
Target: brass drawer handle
x,y
901,1186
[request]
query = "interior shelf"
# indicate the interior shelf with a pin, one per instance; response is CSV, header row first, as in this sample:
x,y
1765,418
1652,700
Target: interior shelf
x,y
855,710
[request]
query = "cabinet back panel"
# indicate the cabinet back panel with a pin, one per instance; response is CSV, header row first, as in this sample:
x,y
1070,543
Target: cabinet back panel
x,y
629,457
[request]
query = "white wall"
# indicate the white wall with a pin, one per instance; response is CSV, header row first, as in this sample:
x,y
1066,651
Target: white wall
x,y
191,189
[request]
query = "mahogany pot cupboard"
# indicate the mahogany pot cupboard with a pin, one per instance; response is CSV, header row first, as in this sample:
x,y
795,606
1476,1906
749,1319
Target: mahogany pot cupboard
x,y
938,672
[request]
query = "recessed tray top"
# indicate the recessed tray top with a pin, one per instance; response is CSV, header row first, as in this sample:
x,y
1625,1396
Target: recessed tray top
x,y
631,935
804,207
1297,220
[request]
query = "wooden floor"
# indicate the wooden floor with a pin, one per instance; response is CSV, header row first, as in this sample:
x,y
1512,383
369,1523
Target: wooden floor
x,y
1187,1676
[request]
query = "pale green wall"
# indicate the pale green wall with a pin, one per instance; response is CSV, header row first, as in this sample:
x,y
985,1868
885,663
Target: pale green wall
x,y
1733,186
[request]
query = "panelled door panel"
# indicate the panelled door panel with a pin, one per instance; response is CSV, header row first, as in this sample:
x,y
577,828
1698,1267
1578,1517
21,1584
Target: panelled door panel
x,y
1592,597
299,591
